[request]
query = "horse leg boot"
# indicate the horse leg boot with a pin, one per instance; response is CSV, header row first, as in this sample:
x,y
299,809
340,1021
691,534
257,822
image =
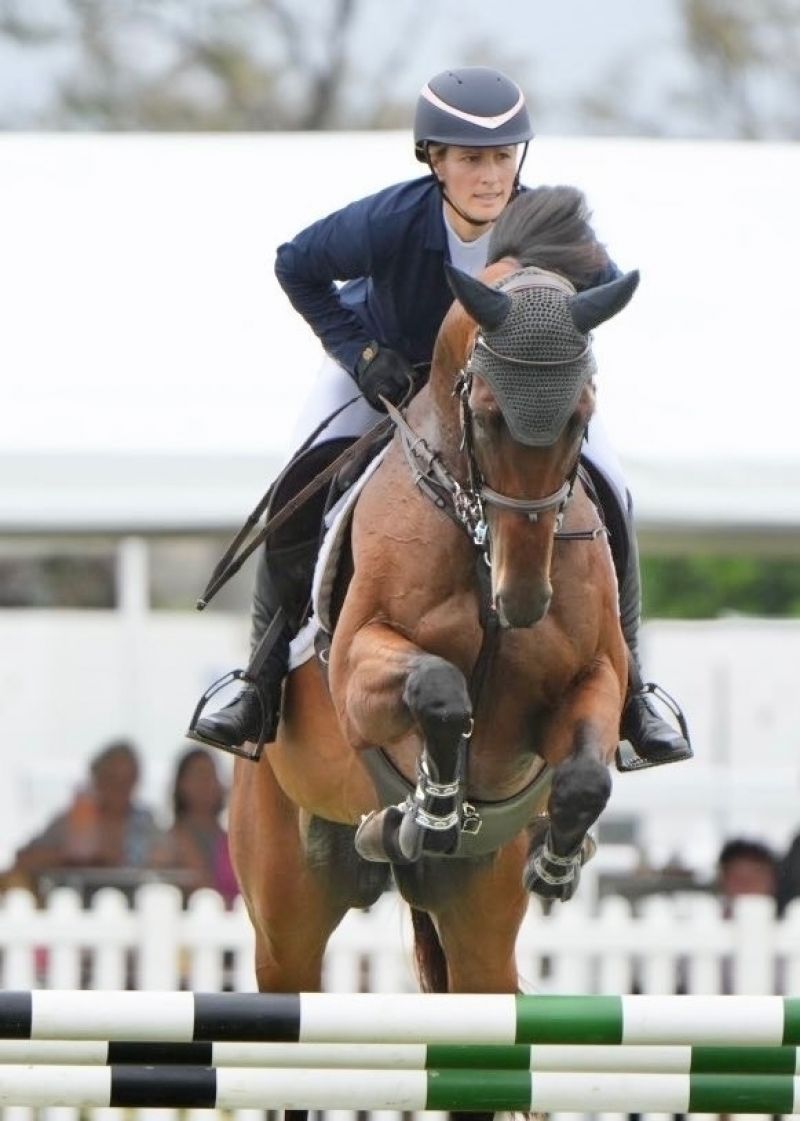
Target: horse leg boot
x,y
652,738
560,842
436,693
429,821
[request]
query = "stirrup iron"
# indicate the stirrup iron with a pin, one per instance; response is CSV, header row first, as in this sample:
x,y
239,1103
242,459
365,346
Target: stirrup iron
x,y
246,750
626,756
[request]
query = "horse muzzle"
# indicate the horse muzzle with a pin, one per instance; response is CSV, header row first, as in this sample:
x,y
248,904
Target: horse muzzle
x,y
518,610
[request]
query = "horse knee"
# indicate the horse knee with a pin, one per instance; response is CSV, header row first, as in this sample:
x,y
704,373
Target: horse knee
x,y
581,788
437,696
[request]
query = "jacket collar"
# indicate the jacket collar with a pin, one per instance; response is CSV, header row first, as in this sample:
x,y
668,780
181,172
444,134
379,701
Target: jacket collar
x,y
435,235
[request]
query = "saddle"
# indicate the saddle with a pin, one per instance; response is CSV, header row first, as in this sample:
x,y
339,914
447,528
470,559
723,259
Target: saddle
x,y
293,549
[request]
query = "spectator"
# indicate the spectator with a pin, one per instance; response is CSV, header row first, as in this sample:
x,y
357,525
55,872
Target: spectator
x,y
103,828
789,874
746,867
197,843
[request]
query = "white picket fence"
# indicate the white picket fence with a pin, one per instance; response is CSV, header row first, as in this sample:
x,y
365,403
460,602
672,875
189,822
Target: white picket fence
x,y
679,943
663,944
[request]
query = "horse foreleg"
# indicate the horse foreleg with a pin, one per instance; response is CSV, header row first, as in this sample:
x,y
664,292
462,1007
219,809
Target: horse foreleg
x,y
436,694
581,788
390,689
560,843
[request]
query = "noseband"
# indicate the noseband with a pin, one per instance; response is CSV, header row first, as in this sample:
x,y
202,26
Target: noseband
x,y
477,495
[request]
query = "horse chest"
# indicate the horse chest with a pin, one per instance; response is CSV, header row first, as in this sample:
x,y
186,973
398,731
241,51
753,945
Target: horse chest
x,y
530,677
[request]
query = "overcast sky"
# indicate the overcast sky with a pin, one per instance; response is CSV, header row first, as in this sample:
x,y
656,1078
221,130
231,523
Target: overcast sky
x,y
556,49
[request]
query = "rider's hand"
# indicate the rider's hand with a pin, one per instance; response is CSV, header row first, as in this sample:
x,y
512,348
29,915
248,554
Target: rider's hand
x,y
381,372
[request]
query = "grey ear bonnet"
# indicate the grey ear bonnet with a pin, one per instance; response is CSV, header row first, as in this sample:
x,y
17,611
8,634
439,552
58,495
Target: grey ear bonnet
x,y
536,360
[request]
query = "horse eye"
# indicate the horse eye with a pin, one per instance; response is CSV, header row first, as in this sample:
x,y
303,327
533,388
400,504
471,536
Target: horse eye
x,y
488,421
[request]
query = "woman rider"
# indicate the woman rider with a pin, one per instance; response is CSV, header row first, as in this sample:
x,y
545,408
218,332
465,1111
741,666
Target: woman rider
x,y
379,328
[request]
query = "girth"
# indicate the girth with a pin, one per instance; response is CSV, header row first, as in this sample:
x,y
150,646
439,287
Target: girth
x,y
499,821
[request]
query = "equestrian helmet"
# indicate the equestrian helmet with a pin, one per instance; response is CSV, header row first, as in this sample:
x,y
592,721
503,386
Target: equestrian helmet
x,y
475,107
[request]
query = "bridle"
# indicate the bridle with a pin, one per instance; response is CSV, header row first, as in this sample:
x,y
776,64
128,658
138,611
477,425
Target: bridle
x,y
478,495
466,503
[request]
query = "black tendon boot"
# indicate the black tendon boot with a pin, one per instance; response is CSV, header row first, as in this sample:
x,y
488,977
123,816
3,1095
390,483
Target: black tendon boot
x,y
653,739
252,717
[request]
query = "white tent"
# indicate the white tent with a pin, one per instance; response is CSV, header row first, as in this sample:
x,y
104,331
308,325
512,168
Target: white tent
x,y
154,372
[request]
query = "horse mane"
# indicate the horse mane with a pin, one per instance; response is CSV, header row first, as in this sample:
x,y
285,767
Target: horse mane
x,y
550,227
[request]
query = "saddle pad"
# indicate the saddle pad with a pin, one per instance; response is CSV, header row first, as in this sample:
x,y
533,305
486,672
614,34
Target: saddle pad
x,y
337,522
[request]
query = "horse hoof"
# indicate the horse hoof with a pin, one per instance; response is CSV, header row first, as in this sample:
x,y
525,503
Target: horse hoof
x,y
550,876
377,837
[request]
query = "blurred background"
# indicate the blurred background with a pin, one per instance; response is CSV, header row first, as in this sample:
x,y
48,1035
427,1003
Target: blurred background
x,y
152,157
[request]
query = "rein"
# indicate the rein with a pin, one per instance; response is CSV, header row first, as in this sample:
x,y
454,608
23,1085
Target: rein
x,y
240,549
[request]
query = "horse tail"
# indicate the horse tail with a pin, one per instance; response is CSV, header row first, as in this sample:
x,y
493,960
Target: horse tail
x,y
428,953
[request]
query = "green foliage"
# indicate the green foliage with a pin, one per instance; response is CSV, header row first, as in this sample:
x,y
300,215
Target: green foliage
x,y
706,586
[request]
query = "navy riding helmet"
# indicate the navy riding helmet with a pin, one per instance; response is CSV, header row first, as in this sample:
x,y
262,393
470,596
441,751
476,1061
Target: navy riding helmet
x,y
475,107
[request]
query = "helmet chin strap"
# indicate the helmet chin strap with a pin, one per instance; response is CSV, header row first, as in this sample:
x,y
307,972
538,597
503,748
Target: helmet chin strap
x,y
478,223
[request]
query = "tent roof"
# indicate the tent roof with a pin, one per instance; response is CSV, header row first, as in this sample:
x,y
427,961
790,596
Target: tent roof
x,y
153,371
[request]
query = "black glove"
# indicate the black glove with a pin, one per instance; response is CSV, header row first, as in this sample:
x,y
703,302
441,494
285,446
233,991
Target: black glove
x,y
381,372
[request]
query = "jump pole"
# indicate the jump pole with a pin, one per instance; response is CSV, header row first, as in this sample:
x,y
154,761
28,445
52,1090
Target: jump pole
x,y
203,1087
623,1059
171,1017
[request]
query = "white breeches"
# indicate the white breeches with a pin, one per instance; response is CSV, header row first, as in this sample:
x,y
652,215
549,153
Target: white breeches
x,y
333,386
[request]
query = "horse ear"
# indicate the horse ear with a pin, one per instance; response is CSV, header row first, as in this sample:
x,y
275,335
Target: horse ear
x,y
596,305
487,306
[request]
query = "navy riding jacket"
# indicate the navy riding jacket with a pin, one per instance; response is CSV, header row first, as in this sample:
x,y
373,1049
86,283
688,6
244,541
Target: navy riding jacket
x,y
390,248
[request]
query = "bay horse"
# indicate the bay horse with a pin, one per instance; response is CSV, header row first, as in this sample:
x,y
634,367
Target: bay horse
x,y
477,670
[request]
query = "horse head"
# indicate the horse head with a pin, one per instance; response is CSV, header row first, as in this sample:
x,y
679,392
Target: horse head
x,y
527,398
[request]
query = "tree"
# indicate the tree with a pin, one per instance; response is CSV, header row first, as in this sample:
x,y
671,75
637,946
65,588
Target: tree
x,y
704,586
240,65
741,61
732,69
746,55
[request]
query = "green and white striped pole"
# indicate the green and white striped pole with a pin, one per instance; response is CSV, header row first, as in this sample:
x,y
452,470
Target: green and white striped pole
x,y
400,1018
623,1058
495,1090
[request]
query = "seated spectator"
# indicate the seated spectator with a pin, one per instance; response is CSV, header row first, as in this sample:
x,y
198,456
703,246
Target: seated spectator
x,y
746,867
789,874
103,828
197,843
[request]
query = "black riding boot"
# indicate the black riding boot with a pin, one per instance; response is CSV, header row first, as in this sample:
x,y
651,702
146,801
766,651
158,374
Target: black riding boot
x,y
280,601
652,738
252,717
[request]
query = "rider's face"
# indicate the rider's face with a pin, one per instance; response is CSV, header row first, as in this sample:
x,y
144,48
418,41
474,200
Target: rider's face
x,y
478,181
